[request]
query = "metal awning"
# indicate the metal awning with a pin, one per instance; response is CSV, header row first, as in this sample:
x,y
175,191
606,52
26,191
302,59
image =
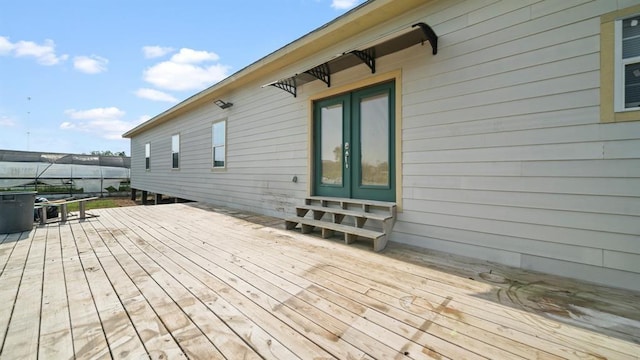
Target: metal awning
x,y
417,34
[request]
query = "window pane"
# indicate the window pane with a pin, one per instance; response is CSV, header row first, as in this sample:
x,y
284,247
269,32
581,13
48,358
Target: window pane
x,y
632,85
218,143
631,37
147,156
374,127
175,150
331,144
218,133
631,27
174,160
631,48
218,156
175,143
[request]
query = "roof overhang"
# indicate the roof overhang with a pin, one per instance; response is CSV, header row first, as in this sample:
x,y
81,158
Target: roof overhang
x,y
418,33
354,22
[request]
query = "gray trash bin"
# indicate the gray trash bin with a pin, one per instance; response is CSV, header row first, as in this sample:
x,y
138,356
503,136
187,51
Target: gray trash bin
x,y
16,211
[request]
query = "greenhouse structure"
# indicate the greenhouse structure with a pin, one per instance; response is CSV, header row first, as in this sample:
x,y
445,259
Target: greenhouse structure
x,y
67,173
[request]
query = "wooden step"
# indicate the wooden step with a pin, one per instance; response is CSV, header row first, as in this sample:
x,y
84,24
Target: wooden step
x,y
346,203
303,209
351,233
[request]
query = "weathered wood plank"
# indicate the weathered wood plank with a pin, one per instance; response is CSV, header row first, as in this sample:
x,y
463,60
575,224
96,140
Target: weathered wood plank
x,y
189,312
259,257
286,325
263,292
21,339
55,327
508,316
315,304
19,244
157,341
7,245
120,334
89,340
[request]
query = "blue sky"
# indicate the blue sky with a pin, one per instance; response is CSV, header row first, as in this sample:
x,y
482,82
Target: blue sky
x,y
75,75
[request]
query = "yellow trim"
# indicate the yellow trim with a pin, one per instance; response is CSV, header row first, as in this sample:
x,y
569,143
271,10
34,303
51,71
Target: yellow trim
x,y
607,68
376,79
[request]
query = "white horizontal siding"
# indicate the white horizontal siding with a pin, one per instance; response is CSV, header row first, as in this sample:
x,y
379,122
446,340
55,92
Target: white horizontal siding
x,y
612,205
574,253
603,275
503,155
623,190
524,230
265,150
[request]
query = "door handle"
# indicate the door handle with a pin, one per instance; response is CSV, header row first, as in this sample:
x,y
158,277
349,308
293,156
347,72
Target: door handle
x,y
346,159
346,155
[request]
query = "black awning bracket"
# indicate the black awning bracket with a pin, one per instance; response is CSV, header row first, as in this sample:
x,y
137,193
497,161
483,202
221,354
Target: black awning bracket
x,y
368,56
430,34
289,85
388,44
321,72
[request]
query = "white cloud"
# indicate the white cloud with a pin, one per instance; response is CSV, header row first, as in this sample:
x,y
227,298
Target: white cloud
x,y
5,45
6,122
155,95
44,54
90,64
184,71
104,122
151,52
343,4
97,113
190,56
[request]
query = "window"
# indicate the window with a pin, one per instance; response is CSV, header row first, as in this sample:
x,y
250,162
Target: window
x,y
620,65
175,151
147,156
218,136
627,54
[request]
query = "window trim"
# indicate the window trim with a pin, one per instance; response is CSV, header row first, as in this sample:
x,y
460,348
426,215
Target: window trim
x,y
611,80
147,156
173,165
213,145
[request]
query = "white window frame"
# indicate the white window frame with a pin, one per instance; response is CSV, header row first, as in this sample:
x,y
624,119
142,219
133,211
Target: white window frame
x,y
214,145
620,64
147,156
175,149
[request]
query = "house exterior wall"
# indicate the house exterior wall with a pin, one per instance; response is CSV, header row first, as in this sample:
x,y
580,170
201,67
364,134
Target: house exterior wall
x,y
504,155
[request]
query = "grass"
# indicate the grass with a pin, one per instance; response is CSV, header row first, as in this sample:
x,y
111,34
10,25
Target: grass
x,y
94,204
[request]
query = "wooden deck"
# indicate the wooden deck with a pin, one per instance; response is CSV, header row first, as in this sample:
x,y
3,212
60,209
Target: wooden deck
x,y
187,281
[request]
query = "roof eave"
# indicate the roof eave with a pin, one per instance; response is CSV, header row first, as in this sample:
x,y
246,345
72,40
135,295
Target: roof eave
x,y
359,19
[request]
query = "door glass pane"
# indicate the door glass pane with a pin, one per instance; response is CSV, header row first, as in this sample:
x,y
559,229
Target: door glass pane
x,y
374,140
331,144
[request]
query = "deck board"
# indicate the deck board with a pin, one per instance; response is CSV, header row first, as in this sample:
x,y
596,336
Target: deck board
x,y
89,341
196,281
24,329
56,340
121,336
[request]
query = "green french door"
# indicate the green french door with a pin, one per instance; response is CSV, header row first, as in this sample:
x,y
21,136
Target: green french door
x,y
354,144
